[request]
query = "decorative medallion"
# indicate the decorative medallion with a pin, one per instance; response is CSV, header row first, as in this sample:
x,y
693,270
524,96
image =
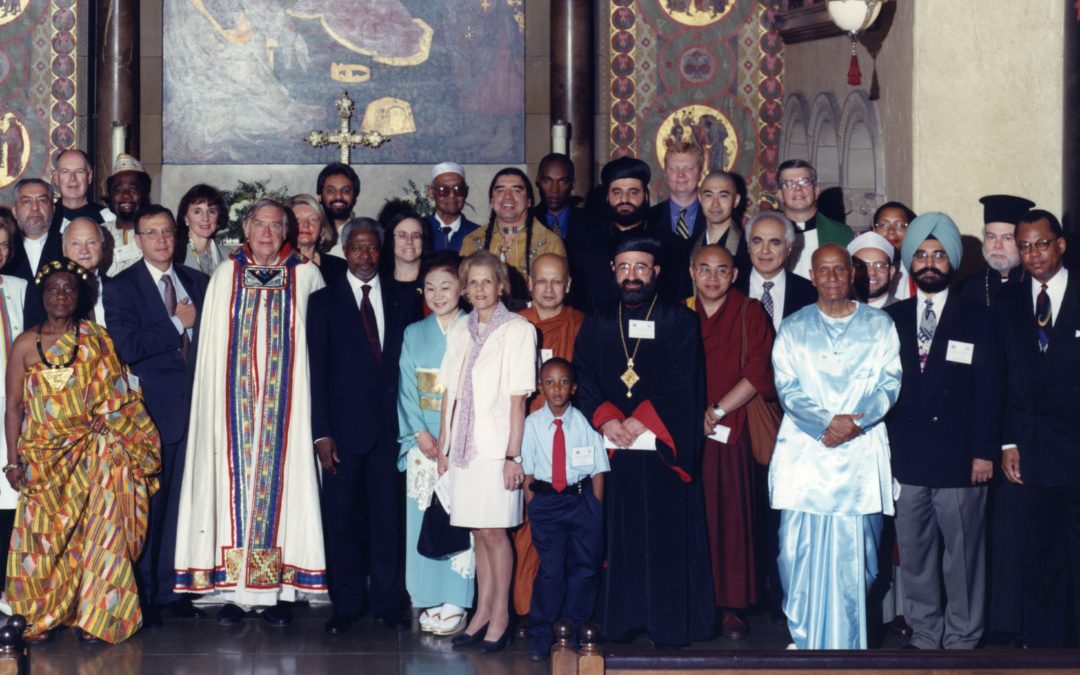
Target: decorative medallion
x,y
709,128
697,13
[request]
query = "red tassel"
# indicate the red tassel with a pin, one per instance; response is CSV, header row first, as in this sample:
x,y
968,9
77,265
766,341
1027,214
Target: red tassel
x,y
854,75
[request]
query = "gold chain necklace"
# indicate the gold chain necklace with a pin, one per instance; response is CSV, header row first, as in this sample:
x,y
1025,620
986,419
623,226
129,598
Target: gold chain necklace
x,y
630,378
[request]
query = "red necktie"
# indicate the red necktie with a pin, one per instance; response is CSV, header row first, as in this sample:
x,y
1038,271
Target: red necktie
x,y
367,312
558,458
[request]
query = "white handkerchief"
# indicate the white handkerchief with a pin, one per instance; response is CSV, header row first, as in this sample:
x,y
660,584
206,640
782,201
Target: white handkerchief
x,y
720,433
646,441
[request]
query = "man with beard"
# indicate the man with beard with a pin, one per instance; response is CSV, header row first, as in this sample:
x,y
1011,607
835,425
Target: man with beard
x,y
72,176
447,226
943,434
837,366
338,187
872,256
641,383
625,182
36,243
1001,213
129,191
85,244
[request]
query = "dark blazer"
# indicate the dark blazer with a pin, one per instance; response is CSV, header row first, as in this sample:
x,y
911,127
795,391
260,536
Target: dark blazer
x,y
798,292
438,239
661,215
19,265
576,219
353,397
148,342
949,414
1042,391
332,267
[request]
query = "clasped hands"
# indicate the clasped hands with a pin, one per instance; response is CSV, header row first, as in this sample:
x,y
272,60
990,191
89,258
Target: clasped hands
x,y
841,429
622,433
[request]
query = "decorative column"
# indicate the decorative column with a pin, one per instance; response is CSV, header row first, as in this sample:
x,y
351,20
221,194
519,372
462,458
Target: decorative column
x,y
573,79
115,84
1071,145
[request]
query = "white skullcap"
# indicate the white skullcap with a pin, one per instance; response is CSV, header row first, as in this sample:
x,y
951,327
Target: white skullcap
x,y
871,240
447,167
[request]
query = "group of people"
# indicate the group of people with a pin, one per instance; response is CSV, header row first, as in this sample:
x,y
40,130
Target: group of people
x,y
654,417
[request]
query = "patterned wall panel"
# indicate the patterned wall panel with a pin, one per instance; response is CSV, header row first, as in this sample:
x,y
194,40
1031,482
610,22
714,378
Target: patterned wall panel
x,y
37,87
707,70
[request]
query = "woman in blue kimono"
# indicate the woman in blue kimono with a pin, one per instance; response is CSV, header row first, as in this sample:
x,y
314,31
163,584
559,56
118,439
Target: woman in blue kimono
x,y
444,587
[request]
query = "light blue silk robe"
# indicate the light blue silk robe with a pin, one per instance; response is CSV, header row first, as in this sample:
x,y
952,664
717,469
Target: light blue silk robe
x,y
832,498
429,582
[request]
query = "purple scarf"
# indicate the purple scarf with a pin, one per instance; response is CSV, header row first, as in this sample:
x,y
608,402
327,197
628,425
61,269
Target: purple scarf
x,y
464,450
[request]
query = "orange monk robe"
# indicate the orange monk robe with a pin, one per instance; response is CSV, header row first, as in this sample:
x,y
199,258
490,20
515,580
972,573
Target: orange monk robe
x,y
557,334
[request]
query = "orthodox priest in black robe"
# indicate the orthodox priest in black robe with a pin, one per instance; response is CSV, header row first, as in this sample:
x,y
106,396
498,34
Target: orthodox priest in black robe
x,y
640,366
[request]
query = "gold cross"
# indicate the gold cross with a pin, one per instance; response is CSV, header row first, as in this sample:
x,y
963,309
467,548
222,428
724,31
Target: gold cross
x,y
345,138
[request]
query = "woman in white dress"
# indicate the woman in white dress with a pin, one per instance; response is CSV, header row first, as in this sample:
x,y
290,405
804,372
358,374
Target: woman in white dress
x,y
488,371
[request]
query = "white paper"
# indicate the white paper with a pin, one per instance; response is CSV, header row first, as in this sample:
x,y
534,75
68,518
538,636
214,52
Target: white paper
x,y
960,352
442,491
642,329
720,433
646,441
546,355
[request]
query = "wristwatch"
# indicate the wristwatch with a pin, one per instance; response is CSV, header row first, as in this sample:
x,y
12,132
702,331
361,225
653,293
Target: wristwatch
x,y
516,459
719,412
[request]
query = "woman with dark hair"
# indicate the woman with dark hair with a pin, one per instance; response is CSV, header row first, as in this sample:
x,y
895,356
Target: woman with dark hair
x,y
201,214
82,451
891,221
512,233
406,241
314,236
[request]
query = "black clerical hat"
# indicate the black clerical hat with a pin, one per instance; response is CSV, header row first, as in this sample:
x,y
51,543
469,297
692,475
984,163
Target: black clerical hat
x,y
641,243
1004,208
625,167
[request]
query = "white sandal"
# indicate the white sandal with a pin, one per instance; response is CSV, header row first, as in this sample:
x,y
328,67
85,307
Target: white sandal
x,y
451,624
429,619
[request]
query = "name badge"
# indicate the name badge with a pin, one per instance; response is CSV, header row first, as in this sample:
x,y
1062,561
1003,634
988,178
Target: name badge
x,y
582,458
831,363
720,433
1078,333
546,355
645,330
960,352
133,381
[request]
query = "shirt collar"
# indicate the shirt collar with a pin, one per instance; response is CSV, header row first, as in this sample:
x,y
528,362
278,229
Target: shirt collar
x,y
1056,284
155,273
758,281
691,211
547,419
454,226
938,298
356,283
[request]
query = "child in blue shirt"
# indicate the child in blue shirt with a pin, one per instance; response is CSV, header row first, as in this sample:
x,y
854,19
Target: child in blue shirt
x,y
564,499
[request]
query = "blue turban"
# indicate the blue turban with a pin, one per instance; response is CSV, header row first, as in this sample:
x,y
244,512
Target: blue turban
x,y
942,228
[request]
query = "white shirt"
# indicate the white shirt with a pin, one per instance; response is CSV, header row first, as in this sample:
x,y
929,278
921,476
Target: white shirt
x,y
803,250
374,295
1055,288
181,293
757,287
33,248
99,306
920,306
454,226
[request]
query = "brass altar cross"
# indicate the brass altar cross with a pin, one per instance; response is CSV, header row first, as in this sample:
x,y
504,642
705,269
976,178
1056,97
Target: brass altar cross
x,y
345,138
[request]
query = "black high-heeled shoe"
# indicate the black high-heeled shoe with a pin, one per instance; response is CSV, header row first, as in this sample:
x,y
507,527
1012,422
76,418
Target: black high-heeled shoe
x,y
489,647
466,640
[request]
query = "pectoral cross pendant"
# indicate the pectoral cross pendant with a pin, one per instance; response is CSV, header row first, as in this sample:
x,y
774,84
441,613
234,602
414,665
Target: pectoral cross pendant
x,y
630,378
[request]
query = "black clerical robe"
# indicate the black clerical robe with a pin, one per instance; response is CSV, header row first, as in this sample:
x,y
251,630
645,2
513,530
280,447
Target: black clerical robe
x,y
657,576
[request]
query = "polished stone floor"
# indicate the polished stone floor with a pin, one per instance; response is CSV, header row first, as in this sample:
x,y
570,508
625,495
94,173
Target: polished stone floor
x,y
202,647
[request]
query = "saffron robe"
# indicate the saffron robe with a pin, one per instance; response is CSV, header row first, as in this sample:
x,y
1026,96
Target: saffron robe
x,y
657,571
249,528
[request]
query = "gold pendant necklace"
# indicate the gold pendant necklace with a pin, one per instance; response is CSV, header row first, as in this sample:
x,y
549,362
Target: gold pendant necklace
x,y
54,374
630,376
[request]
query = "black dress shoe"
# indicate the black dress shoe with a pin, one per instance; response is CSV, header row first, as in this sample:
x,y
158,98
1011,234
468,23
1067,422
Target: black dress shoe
x,y
521,626
395,619
230,615
489,647
278,616
466,640
338,624
151,618
184,608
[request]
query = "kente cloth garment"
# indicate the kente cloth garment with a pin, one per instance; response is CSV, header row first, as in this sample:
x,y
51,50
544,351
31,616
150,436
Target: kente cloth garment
x,y
249,528
91,452
430,582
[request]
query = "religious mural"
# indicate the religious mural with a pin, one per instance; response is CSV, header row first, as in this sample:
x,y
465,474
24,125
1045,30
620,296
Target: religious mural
x,y
37,87
707,71
246,80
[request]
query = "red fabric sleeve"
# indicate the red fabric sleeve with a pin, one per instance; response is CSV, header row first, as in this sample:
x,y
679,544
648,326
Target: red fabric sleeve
x,y
647,415
606,412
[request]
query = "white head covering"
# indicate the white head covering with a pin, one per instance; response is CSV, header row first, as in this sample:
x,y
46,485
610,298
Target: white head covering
x,y
125,162
447,167
871,240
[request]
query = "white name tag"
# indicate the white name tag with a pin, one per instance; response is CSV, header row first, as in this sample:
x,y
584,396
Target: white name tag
x,y
720,433
546,355
582,458
831,363
645,330
1078,333
133,381
960,352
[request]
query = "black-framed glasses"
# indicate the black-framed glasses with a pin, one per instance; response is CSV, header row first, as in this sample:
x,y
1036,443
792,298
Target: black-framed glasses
x,y
458,190
1041,245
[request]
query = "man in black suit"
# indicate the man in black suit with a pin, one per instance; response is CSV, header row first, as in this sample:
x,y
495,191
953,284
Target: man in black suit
x,y
555,179
36,243
152,309
680,214
447,225
1038,325
355,329
84,243
943,433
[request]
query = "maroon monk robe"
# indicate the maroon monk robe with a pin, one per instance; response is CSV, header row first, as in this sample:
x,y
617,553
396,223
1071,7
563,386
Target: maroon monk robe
x,y
727,468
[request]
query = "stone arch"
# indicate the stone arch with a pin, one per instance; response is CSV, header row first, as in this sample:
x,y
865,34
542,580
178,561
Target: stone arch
x,y
824,127
862,159
795,130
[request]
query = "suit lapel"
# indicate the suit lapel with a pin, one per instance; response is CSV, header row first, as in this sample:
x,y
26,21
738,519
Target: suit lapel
x,y
1066,324
909,345
150,296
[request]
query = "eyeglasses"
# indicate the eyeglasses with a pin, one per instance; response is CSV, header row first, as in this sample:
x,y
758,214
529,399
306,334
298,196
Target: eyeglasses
x,y
708,271
409,236
891,227
638,268
1042,245
876,265
446,190
167,233
792,183
938,255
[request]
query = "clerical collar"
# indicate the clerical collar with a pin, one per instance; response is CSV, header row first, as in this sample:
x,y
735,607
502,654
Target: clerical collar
x,y
808,225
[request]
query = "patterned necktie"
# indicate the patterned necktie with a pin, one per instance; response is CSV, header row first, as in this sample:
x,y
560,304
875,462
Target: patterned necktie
x,y
1044,318
681,228
766,298
558,458
367,312
926,333
170,307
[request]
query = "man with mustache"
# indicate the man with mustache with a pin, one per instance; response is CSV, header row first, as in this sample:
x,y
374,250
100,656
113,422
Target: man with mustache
x,y
943,434
129,191
1001,213
448,190
837,366
641,381
36,243
872,255
338,187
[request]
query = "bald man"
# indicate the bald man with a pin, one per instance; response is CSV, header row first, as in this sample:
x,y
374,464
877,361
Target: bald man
x,y
84,243
557,327
837,368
